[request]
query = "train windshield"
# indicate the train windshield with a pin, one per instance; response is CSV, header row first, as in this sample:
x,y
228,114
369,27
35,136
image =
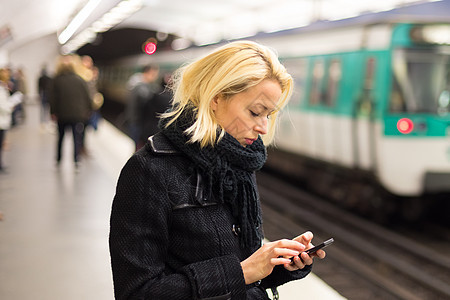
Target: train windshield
x,y
421,81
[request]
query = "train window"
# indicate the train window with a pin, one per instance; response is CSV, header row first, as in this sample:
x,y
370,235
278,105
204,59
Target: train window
x,y
316,92
421,81
334,78
297,68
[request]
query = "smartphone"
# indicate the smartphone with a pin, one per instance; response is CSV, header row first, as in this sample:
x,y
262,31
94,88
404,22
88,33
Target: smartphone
x,y
320,246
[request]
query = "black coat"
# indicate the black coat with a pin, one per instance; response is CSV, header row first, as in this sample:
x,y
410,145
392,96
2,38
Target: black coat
x,y
70,100
169,242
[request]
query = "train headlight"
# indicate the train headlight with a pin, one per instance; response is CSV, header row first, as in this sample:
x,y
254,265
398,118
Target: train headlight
x,y
405,125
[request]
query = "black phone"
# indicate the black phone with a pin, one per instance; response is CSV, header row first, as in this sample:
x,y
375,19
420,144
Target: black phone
x,y
315,248
320,246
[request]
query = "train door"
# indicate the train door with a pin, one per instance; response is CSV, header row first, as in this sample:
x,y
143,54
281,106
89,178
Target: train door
x,y
364,119
326,128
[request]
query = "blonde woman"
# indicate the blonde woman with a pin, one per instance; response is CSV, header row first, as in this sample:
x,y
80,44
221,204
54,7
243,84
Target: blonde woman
x,y
186,220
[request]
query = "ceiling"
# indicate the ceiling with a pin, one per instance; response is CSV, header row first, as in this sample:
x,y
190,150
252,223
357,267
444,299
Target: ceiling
x,y
201,21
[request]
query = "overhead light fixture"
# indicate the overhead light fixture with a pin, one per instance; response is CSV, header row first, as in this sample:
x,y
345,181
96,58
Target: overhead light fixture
x,y
77,21
114,16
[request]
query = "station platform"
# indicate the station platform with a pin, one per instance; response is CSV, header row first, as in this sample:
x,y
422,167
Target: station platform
x,y
55,225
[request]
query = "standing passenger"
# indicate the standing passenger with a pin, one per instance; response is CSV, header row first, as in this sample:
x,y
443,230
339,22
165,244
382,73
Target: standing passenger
x,y
86,69
18,114
186,220
70,104
6,108
44,82
142,92
154,108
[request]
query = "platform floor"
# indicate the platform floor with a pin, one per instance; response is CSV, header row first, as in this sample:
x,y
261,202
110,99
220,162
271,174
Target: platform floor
x,y
54,232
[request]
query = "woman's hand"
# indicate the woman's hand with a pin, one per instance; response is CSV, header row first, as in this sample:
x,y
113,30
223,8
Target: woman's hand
x,y
261,263
304,259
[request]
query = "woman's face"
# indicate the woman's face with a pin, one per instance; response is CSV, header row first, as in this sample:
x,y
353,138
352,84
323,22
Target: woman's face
x,y
245,115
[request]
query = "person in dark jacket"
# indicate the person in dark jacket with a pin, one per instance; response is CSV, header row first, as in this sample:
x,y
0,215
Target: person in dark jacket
x,y
154,108
70,104
44,84
186,219
141,94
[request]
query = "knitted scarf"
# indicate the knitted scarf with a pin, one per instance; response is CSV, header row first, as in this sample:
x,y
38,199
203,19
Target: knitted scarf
x,y
228,169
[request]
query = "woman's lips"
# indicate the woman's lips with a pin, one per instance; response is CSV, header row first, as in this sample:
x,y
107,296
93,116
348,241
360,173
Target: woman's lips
x,y
249,141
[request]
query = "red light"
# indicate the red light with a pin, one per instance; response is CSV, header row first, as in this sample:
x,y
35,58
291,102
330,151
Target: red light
x,y
150,48
405,125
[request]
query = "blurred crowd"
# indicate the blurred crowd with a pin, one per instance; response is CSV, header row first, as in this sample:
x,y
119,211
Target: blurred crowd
x,y
69,99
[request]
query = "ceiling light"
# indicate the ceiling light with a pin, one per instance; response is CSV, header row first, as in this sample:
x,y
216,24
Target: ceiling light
x,y
113,17
77,21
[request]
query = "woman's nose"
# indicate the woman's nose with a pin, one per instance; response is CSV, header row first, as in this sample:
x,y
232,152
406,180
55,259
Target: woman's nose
x,y
261,126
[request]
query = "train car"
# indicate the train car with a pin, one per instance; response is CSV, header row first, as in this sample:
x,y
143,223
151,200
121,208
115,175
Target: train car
x,y
369,119
373,101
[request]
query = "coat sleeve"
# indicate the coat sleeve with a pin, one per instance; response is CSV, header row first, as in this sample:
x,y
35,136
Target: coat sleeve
x,y
139,241
280,276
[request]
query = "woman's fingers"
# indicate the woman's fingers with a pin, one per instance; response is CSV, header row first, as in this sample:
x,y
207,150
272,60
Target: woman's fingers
x,y
296,264
285,252
321,254
305,238
290,244
280,261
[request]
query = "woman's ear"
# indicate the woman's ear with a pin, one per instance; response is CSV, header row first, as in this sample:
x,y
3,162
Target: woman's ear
x,y
215,102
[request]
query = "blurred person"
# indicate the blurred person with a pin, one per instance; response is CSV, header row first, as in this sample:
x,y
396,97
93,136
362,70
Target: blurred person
x,y
140,95
44,83
7,103
155,107
134,80
89,72
19,85
186,218
5,115
20,81
11,83
91,76
70,104
97,103
5,111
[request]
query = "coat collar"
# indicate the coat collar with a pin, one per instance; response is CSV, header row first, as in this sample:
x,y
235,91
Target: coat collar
x,y
158,143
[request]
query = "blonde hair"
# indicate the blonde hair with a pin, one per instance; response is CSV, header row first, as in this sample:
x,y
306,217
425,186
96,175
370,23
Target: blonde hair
x,y
229,70
4,75
65,64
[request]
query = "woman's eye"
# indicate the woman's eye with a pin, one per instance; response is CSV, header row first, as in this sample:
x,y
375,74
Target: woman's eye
x,y
254,114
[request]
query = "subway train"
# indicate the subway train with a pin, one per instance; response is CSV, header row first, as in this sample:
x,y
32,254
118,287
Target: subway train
x,y
368,124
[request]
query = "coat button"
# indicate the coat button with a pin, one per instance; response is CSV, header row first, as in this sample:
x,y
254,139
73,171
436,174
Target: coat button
x,y
236,229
